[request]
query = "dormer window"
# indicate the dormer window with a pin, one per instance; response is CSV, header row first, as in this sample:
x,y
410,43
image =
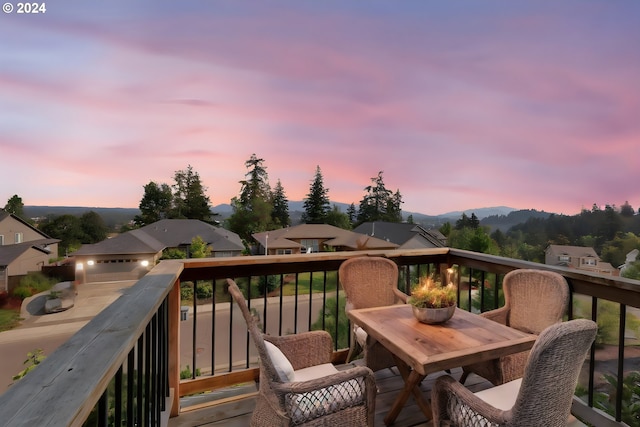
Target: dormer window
x,y
589,261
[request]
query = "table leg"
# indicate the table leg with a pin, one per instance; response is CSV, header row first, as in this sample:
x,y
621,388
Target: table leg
x,y
417,393
412,380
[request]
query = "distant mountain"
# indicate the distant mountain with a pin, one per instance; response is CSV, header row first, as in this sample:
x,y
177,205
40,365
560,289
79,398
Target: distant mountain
x,y
112,217
480,212
501,217
505,222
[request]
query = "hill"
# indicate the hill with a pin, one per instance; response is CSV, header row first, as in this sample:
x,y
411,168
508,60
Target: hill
x,y
505,222
501,217
113,217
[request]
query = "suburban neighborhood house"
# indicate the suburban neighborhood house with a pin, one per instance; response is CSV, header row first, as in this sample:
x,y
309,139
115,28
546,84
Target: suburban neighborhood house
x,y
23,249
582,258
130,255
405,235
307,238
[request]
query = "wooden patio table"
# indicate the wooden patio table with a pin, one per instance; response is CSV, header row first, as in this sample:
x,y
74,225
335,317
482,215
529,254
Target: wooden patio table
x,y
420,349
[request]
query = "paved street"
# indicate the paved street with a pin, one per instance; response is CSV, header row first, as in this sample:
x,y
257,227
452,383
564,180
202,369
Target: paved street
x,y
239,330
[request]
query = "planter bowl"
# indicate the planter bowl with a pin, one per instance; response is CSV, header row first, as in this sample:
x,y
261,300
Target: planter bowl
x,y
433,315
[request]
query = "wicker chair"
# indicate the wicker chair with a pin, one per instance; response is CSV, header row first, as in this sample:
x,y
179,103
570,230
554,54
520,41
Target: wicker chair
x,y
534,300
298,383
370,282
541,398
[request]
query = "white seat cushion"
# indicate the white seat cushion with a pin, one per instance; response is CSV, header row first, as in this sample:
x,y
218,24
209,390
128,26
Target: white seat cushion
x,y
361,335
280,362
313,372
504,396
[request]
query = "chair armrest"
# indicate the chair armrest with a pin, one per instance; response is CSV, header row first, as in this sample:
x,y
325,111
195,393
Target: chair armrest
x,y
448,394
305,349
499,315
400,295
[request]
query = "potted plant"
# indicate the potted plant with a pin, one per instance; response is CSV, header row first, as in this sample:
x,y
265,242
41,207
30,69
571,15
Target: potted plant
x,y
432,301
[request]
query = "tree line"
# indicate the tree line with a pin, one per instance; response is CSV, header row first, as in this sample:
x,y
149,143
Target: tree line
x,y
613,233
258,207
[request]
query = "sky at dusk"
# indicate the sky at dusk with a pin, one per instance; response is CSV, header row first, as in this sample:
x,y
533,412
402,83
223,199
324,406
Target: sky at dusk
x,y
462,104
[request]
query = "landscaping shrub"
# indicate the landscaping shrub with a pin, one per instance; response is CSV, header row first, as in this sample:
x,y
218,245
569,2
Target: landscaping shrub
x,y
35,283
204,290
22,292
186,291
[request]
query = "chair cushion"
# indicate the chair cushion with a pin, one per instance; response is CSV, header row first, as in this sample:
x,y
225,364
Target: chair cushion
x,y
313,372
504,396
361,335
280,362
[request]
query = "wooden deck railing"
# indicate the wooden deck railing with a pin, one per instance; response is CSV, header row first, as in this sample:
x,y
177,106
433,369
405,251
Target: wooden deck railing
x,y
124,366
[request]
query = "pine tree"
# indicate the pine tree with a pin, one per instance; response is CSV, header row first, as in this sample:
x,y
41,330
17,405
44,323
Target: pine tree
x,y
189,199
374,205
316,204
280,213
252,209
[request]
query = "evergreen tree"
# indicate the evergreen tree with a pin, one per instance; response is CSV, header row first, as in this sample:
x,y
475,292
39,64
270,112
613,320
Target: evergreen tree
x,y
155,204
626,210
352,213
189,199
394,208
256,187
316,204
376,202
280,213
252,209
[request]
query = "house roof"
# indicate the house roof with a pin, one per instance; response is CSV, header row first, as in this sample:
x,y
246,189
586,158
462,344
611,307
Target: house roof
x,y
166,233
9,253
573,251
4,214
179,232
285,238
407,236
131,242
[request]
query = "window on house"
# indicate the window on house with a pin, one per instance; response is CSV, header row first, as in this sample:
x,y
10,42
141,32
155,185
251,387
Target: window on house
x,y
1,239
310,245
18,237
283,252
564,258
588,261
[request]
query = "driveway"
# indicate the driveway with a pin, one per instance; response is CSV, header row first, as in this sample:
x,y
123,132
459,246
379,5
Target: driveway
x,y
48,331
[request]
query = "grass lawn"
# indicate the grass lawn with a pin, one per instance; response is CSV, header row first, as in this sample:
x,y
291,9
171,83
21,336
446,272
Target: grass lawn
x,y
9,319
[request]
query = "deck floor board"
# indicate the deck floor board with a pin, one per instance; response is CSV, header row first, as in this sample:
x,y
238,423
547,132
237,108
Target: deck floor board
x,y
237,412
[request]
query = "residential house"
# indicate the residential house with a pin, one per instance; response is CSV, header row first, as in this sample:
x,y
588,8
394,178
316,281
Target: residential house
x,y
405,235
580,257
307,238
23,249
130,255
631,257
